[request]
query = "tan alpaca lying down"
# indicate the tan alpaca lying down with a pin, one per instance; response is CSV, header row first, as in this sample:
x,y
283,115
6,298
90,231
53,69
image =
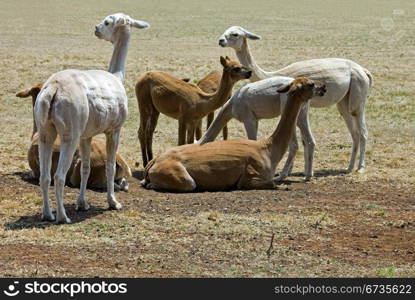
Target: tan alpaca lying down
x,y
239,163
97,177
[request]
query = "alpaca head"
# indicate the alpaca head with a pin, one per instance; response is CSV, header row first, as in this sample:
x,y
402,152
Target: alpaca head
x,y
303,87
235,69
108,27
234,37
34,91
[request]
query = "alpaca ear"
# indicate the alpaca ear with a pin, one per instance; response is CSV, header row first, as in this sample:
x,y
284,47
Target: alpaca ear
x,y
284,88
223,61
251,36
23,94
139,24
33,91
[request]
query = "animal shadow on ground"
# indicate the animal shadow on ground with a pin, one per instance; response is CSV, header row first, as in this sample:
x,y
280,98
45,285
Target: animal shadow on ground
x,y
138,174
27,177
34,221
322,173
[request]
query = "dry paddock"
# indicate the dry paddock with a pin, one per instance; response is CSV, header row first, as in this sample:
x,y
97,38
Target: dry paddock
x,y
336,225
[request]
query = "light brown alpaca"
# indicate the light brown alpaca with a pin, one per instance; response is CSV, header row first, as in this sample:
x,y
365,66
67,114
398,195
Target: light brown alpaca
x,y
209,84
239,163
159,92
97,177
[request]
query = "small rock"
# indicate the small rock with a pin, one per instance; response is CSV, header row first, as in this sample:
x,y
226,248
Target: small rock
x,y
213,216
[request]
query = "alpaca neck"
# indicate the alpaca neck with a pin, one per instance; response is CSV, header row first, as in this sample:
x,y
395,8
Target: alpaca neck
x,y
245,57
216,100
119,55
278,142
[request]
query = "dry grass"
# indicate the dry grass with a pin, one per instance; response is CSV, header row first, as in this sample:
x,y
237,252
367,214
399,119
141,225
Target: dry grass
x,y
337,225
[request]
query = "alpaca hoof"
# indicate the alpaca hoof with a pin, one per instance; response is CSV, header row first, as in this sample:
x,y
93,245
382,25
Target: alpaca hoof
x,y
348,170
115,205
307,178
82,207
63,220
49,217
280,178
143,183
361,170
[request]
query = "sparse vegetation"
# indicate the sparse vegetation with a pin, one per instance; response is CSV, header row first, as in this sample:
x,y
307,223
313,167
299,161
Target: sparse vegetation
x,y
335,225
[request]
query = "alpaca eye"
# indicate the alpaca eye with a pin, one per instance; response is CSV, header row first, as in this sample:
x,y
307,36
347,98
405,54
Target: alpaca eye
x,y
106,23
235,34
237,69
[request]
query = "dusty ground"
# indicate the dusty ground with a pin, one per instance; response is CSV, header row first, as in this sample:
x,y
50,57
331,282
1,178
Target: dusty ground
x,y
336,225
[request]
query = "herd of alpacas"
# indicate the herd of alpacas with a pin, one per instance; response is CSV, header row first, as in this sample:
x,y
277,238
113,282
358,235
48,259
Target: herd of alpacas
x,y
73,106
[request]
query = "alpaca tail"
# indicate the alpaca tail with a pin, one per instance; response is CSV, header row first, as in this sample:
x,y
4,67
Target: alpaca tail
x,y
370,76
44,104
225,114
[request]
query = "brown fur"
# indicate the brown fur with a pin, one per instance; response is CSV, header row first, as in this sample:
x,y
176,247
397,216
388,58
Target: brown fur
x,y
239,163
209,84
159,92
97,177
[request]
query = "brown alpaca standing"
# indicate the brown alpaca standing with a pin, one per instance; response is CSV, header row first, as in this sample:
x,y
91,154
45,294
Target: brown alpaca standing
x,y
239,163
97,177
159,92
209,84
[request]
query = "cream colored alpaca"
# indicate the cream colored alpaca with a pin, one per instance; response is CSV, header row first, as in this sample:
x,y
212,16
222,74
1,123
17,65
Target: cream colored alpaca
x,y
240,163
347,83
97,177
160,92
77,105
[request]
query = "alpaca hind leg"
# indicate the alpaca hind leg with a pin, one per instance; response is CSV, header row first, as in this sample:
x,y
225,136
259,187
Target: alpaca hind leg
x,y
363,134
142,138
85,149
112,140
67,151
151,127
308,141
342,107
46,139
172,177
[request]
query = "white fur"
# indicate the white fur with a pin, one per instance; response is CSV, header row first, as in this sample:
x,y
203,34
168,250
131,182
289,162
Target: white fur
x,y
347,86
78,105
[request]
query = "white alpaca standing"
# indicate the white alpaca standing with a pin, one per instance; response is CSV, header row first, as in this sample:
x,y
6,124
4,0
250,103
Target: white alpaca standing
x,y
78,105
347,86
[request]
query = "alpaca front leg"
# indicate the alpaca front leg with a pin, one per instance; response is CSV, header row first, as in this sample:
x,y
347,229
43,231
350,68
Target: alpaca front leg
x,y
289,163
191,133
182,133
112,146
45,161
85,147
251,127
